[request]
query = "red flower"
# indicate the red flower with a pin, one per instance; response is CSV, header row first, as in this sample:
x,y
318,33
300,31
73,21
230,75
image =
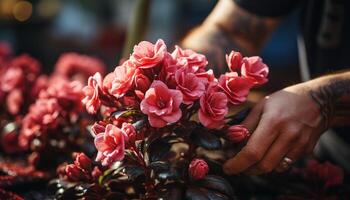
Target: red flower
x,y
14,101
235,87
253,67
161,104
12,78
122,80
326,173
147,55
191,87
74,173
82,161
234,61
92,91
237,133
110,145
213,108
72,64
195,61
198,169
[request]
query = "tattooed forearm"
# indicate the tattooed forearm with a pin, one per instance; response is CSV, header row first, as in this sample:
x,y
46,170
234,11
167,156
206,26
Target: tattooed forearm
x,y
333,97
246,29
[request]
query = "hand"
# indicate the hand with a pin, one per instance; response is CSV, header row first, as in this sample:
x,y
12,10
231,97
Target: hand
x,y
286,124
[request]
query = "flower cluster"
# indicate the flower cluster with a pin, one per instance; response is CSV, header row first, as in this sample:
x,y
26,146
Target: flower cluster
x,y
81,170
170,87
19,82
55,105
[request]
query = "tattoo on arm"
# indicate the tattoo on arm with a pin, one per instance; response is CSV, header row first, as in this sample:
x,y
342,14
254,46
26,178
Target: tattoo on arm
x,y
248,28
333,99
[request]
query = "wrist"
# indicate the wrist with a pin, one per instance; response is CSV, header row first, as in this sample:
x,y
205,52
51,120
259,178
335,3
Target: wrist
x,y
332,95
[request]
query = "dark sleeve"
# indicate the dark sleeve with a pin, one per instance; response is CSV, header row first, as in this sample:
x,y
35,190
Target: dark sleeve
x,y
268,8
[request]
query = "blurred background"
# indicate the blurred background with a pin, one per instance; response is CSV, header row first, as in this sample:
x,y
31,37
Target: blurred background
x,y
47,28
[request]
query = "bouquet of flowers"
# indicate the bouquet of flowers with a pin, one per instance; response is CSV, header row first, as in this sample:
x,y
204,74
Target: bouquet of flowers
x,y
158,127
162,127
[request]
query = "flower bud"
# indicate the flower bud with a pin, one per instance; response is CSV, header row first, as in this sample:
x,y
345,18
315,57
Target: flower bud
x,y
83,162
237,133
74,173
234,61
96,173
198,169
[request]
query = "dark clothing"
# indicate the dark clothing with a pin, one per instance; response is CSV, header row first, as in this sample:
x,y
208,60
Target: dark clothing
x,y
325,25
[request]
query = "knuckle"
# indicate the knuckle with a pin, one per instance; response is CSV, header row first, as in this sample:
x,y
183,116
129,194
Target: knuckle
x,y
265,167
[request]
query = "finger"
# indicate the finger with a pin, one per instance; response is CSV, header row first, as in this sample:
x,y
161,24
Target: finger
x,y
255,149
252,120
275,154
298,150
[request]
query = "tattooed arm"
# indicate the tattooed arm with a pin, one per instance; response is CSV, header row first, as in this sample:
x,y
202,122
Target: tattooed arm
x,y
289,123
332,95
230,27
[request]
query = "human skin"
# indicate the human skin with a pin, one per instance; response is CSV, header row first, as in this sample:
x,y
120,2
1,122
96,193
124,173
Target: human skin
x,y
287,123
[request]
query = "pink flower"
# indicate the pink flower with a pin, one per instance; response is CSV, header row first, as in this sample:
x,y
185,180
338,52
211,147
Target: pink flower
x,y
30,66
98,128
130,131
234,61
42,115
253,67
12,78
14,101
190,86
170,66
325,173
123,79
142,82
237,133
110,145
72,64
161,104
194,60
235,87
213,108
68,94
92,91
41,83
206,77
147,55
198,169
45,111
